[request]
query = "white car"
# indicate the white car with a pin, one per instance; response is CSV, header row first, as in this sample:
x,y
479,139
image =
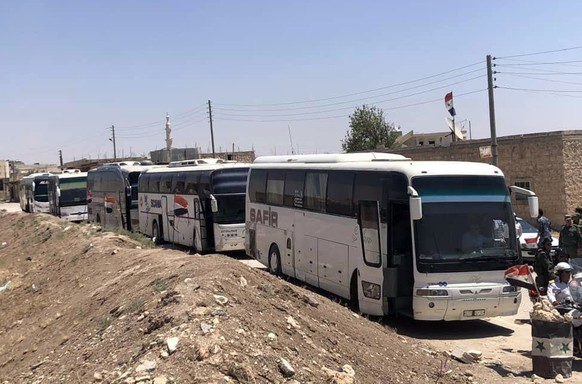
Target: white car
x,y
527,240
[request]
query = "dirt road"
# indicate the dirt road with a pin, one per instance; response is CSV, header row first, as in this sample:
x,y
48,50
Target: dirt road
x,y
86,304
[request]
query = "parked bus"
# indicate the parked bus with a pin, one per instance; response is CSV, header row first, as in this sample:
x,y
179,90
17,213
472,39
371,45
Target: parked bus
x,y
33,193
388,233
200,206
67,193
112,195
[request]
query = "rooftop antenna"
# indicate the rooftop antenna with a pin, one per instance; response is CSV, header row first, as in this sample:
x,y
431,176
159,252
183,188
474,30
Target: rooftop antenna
x,y
290,139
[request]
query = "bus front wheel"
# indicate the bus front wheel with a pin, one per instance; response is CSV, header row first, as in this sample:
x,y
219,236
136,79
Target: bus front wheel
x,y
275,260
156,236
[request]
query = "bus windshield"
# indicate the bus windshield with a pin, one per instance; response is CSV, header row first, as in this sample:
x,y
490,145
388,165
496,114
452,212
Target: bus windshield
x,y
231,209
73,191
41,191
467,225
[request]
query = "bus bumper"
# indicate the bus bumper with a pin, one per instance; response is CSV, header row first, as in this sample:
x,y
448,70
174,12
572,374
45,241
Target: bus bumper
x,y
229,237
447,309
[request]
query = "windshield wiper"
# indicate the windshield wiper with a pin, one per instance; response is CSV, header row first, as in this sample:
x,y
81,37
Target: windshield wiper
x,y
487,258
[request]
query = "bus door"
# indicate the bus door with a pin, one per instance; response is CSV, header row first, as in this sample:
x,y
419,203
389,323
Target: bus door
x,y
370,273
305,247
398,276
167,221
53,198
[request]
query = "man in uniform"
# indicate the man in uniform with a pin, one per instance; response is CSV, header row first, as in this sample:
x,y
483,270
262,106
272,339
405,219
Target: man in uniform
x,y
543,266
570,238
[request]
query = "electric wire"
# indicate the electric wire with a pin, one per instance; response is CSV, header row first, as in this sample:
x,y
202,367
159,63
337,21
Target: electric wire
x,y
351,106
540,53
540,90
542,79
362,98
345,115
354,93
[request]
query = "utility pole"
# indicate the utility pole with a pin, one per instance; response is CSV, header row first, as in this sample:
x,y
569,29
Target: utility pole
x,y
211,130
490,87
61,158
113,140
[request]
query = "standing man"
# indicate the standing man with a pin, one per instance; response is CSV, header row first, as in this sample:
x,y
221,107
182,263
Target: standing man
x,y
543,266
570,238
544,228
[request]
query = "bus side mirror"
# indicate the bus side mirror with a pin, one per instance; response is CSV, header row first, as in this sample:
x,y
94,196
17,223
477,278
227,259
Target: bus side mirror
x,y
415,208
532,199
415,204
532,202
213,204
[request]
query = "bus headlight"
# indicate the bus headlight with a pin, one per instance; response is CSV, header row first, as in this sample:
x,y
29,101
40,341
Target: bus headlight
x,y
509,288
371,290
432,292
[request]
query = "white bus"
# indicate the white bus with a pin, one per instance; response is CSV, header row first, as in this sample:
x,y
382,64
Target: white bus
x,y
33,193
388,233
112,195
68,195
200,206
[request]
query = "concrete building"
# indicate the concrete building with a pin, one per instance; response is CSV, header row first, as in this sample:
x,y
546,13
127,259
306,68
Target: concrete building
x,y
547,163
436,139
4,180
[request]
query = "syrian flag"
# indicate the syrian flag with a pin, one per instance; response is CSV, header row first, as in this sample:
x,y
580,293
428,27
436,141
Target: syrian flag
x,y
449,103
520,276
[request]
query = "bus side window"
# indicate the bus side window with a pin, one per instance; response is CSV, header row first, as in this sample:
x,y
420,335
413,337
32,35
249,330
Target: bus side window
x,y
166,183
339,193
257,185
315,191
294,183
179,184
275,186
368,187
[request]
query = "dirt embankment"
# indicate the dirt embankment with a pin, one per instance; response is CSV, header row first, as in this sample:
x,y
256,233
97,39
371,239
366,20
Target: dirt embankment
x,y
85,305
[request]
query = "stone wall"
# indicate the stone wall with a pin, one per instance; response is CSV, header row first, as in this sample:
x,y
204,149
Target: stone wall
x,y
549,162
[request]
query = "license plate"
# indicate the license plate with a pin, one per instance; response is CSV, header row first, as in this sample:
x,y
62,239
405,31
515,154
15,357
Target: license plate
x,y
474,313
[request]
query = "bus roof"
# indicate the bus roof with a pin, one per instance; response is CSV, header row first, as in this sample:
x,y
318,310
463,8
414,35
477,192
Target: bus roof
x,y
122,168
409,168
332,158
198,168
71,175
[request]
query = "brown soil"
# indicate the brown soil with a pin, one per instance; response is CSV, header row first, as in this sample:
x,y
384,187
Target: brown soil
x,y
87,305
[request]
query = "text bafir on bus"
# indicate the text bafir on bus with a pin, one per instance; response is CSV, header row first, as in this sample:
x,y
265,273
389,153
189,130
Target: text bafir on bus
x,y
112,194
68,195
395,236
199,206
33,193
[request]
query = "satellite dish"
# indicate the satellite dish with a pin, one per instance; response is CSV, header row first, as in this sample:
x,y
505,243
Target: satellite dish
x,y
456,130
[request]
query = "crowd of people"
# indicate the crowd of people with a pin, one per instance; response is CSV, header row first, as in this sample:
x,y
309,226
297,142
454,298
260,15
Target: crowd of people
x,y
546,262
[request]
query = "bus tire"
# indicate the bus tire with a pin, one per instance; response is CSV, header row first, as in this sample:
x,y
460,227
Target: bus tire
x,y
275,260
354,300
98,219
156,233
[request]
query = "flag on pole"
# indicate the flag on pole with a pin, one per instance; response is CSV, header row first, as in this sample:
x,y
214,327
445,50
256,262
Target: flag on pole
x,y
449,103
520,276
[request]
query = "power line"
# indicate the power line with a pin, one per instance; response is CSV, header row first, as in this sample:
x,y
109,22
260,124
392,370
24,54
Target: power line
x,y
543,63
540,53
359,99
541,79
539,90
344,115
552,73
355,93
352,106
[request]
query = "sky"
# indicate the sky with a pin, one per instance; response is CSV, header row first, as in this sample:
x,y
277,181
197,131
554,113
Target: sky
x,y
281,76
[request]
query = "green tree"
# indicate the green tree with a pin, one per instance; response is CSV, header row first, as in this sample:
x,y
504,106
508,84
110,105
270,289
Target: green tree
x,y
369,130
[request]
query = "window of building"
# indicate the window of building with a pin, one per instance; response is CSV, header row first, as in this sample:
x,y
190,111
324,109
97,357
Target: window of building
x,y
522,184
